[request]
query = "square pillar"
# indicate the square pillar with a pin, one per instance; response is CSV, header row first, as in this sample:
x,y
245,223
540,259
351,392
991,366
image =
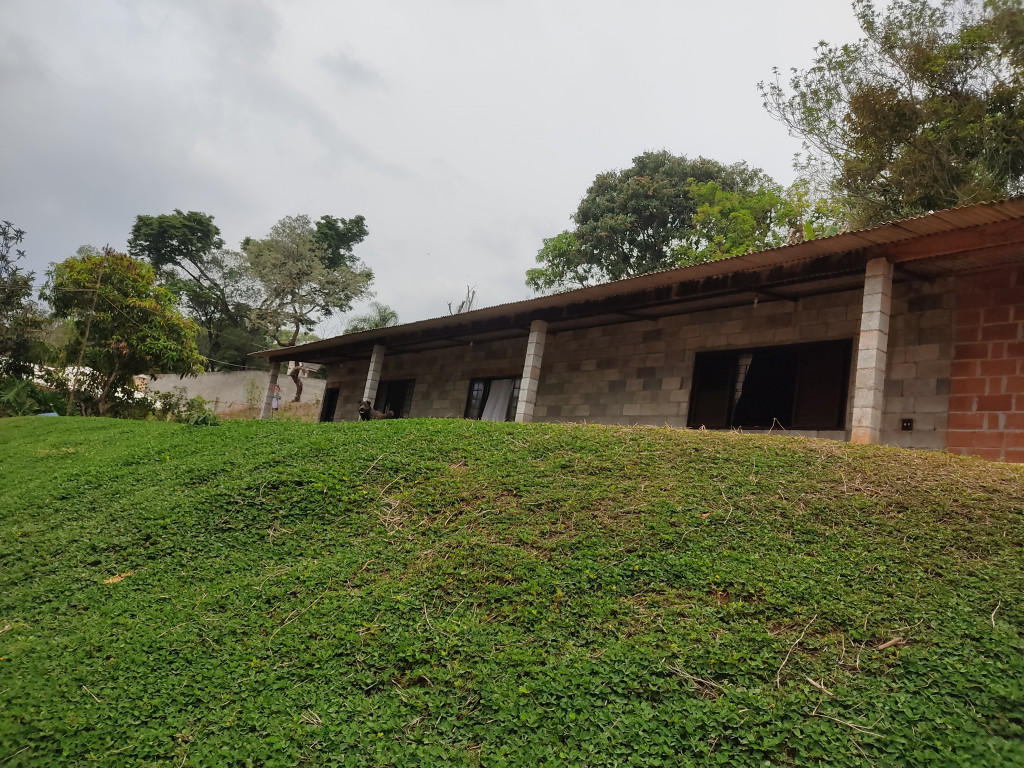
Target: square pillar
x,y
872,349
531,371
373,375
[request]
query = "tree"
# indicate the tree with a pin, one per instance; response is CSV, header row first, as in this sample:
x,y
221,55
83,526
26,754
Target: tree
x,y
301,279
126,323
565,265
304,275
379,316
664,211
466,304
925,112
338,237
19,316
188,253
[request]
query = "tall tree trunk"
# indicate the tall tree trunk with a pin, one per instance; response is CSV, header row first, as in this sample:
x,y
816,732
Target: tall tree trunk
x,y
275,370
101,403
297,378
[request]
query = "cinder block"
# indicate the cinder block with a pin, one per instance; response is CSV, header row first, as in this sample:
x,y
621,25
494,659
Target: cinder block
x,y
923,352
874,321
871,359
893,388
873,339
919,387
931,404
878,268
903,370
866,417
877,303
679,396
864,435
932,369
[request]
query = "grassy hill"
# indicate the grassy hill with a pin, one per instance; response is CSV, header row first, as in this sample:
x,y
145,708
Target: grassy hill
x,y
408,593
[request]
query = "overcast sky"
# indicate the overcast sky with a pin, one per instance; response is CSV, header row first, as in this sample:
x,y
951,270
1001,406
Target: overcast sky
x,y
465,131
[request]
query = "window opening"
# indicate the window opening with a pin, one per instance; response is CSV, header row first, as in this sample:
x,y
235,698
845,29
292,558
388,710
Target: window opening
x,y
493,399
395,396
798,386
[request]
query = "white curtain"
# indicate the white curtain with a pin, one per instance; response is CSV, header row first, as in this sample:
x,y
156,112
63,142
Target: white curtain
x,y
497,400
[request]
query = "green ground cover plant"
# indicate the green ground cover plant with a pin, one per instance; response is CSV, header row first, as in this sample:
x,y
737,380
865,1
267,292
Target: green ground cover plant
x,y
452,593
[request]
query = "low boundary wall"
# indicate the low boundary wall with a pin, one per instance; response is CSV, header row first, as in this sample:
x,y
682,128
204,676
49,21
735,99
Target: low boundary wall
x,y
228,391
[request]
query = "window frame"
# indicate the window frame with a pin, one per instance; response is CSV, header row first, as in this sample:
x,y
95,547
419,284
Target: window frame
x,y
485,383
712,368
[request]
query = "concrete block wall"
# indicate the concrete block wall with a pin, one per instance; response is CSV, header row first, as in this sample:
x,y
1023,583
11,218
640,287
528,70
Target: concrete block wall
x,y
442,376
986,402
640,372
918,367
955,344
350,379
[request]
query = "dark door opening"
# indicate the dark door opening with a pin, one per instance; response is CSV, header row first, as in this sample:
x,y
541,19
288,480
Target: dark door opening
x,y
330,403
395,396
797,386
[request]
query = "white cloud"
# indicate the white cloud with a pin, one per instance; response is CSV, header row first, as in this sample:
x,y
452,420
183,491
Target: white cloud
x,y
465,132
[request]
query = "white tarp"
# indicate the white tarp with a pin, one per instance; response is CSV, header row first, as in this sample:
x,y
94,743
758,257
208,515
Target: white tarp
x,y
497,400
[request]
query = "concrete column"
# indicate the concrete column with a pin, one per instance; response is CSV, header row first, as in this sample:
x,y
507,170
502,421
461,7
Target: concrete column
x,y
531,371
872,349
275,370
373,375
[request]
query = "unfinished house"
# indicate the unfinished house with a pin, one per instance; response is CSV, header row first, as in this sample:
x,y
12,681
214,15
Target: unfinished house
x,y
910,334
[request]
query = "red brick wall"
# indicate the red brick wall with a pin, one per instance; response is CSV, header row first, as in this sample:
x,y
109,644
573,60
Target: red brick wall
x,y
986,388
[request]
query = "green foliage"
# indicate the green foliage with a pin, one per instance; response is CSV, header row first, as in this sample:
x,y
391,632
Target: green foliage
x,y
445,592
176,405
668,211
133,323
181,240
564,265
254,393
23,397
300,278
378,316
925,112
188,253
200,414
729,222
20,320
338,237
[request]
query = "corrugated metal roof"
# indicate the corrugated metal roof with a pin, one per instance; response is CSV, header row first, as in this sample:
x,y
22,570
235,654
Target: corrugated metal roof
x,y
891,233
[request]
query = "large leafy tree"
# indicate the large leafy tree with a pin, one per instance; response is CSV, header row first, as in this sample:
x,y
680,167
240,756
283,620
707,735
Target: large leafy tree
x,y
377,316
188,253
126,323
305,271
301,277
662,212
925,112
19,316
